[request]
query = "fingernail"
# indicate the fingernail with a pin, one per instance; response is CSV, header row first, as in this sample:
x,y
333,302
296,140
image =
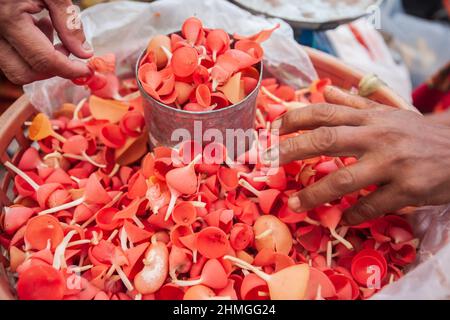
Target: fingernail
x,y
87,46
294,204
276,124
271,155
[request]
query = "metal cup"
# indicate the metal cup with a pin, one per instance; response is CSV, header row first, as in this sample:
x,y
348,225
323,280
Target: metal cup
x,y
162,120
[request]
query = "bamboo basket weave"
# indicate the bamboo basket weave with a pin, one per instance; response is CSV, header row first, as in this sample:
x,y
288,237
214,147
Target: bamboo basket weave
x,y
13,141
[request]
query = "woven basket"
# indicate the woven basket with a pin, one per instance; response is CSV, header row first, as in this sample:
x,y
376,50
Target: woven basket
x,y
13,141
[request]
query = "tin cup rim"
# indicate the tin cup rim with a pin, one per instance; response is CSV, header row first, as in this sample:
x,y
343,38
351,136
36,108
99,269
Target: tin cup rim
x,y
148,97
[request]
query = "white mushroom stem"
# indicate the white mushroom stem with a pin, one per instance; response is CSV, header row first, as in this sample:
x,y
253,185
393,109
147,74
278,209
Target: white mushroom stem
x,y
110,204
59,260
311,221
194,255
319,293
245,265
229,162
198,204
264,234
80,269
64,206
138,222
246,185
260,179
219,298
195,160
260,117
128,97
17,199
78,109
173,198
75,179
22,174
112,235
215,84
114,170
84,157
92,161
271,95
123,237
81,262
114,278
391,278
175,194
289,105
124,278
167,53
339,163
94,238
346,243
188,283
329,253
86,119
56,156
110,271
368,85
243,174
201,57
78,242
28,123
342,232
58,137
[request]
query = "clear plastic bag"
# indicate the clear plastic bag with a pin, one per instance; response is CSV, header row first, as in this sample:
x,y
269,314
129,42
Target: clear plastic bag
x,y
428,278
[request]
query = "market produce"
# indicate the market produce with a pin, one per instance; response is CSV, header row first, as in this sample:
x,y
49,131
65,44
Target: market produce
x,y
98,216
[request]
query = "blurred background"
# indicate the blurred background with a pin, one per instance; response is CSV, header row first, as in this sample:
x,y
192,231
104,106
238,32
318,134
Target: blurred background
x,y
405,43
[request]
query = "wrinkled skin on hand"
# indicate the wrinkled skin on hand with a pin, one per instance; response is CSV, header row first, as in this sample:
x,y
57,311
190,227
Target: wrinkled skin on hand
x,y
406,154
27,52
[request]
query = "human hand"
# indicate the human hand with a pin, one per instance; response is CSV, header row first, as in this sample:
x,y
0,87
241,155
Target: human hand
x,y
401,151
27,53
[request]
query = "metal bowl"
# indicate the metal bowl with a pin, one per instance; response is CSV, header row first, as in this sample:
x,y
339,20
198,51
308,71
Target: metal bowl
x,y
163,121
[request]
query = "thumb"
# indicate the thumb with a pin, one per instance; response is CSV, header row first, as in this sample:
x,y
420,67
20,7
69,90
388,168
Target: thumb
x,y
67,22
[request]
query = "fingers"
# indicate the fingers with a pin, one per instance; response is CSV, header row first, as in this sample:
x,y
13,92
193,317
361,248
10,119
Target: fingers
x,y
66,20
318,115
330,141
334,186
14,67
337,96
386,199
38,52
